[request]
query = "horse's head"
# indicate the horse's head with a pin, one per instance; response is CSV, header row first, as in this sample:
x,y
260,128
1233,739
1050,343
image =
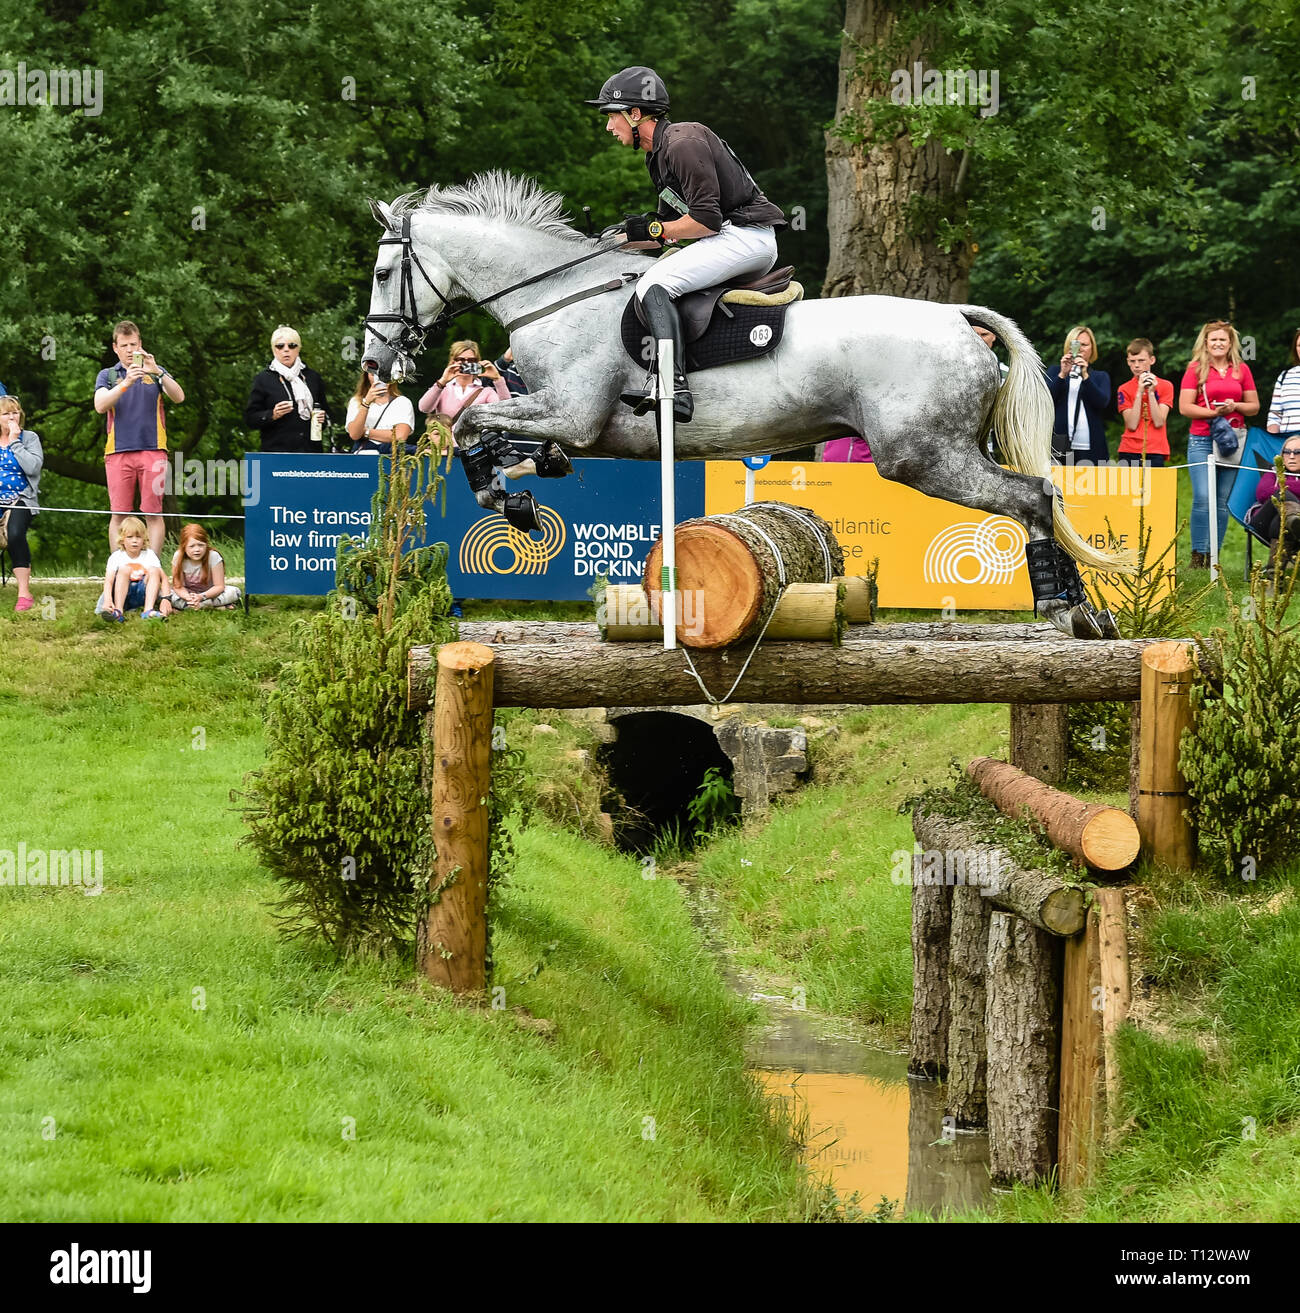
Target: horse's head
x,y
408,294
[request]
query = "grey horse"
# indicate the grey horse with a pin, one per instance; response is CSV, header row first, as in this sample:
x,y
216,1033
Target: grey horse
x,y
910,376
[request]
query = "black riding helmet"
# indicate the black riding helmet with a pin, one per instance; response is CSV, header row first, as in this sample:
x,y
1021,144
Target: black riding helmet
x,y
633,88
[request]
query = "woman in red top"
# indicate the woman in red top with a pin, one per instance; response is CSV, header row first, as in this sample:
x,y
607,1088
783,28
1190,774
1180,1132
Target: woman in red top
x,y
1217,382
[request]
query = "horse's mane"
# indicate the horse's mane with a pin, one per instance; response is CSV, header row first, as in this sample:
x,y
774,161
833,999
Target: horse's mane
x,y
495,194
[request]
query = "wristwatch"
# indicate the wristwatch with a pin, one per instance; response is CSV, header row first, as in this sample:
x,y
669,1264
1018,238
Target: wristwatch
x,y
655,228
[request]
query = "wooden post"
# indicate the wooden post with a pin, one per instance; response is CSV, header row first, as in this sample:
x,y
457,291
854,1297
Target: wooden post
x,y
1022,1019
1112,953
451,946
1167,835
967,1048
1082,1056
931,928
1040,740
1135,756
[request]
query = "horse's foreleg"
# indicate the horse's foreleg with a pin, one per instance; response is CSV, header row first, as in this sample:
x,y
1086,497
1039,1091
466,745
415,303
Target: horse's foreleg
x,y
534,415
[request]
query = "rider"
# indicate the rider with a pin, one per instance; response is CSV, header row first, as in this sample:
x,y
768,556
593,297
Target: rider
x,y
706,196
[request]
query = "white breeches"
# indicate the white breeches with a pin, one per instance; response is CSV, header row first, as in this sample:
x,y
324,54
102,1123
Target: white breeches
x,y
734,254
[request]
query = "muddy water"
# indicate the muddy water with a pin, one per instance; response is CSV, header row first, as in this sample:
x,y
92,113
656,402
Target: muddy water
x,y
870,1130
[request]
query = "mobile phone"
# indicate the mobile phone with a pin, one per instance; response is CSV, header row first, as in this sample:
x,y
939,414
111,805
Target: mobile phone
x,y
1075,344
137,359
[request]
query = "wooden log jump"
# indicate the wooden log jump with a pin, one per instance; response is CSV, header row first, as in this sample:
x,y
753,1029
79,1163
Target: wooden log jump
x,y
868,671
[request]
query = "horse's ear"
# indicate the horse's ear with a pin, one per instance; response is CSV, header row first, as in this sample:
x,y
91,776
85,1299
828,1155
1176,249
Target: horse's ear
x,y
383,215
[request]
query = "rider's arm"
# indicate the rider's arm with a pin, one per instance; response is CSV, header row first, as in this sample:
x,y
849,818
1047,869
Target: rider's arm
x,y
686,229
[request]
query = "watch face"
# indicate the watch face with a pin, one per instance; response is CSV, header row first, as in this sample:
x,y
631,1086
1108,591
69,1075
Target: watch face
x,y
655,228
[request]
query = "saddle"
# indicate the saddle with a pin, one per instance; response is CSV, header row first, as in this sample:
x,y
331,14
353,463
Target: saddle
x,y
724,324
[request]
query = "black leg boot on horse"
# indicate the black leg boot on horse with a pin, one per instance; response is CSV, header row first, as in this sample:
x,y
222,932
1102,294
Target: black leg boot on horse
x,y
481,461
1056,583
663,321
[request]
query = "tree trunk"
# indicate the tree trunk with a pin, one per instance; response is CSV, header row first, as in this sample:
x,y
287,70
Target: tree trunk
x,y
1040,740
931,928
1104,838
885,195
1022,1019
967,1048
1045,901
866,671
731,569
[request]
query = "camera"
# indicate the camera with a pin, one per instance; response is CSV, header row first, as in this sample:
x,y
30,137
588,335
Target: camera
x,y
1076,371
471,366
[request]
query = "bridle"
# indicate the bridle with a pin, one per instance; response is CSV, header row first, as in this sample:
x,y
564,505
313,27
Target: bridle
x,y
409,339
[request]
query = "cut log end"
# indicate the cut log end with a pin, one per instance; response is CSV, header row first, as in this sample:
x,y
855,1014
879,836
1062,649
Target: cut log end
x,y
1168,657
465,656
1063,912
1110,840
718,572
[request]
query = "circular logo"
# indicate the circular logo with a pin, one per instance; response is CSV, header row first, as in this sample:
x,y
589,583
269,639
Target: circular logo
x,y
760,334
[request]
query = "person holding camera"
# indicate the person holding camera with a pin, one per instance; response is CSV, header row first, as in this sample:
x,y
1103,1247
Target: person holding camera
x,y
130,397
468,380
1218,385
1080,394
380,419
21,459
287,403
1144,404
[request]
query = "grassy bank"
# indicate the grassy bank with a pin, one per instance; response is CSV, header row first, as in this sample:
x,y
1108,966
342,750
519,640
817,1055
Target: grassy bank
x,y
166,1055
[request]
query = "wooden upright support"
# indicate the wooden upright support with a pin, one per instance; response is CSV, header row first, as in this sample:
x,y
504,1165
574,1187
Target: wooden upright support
x,y
931,927
451,946
1095,995
1167,835
1040,740
967,1047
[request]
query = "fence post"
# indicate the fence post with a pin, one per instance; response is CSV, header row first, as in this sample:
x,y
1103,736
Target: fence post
x,y
451,945
1167,836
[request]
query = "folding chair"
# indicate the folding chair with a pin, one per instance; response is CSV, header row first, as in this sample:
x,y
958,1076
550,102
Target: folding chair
x,y
1260,450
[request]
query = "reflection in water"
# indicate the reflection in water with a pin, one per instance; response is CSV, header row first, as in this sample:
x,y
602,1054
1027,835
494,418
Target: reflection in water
x,y
870,1128
857,1130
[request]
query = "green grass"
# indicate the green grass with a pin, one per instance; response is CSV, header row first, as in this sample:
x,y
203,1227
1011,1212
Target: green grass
x,y
238,1110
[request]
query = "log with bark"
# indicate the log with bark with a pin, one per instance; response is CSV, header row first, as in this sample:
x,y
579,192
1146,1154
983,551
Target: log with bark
x,y
1104,838
867,672
967,1045
804,611
1022,1024
931,928
731,569
1043,899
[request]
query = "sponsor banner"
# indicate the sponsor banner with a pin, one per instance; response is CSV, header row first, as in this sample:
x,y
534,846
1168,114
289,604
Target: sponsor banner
x,y
304,505
604,518
935,554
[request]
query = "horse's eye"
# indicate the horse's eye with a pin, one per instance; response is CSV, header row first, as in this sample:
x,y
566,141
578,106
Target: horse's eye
x,y
382,276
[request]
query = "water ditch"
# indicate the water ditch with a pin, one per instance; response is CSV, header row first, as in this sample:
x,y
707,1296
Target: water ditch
x,y
868,1128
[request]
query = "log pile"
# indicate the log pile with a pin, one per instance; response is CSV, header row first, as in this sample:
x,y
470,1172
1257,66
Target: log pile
x,y
1026,964
731,569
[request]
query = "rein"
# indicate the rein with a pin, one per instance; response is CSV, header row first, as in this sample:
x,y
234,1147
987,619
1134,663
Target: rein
x,y
409,341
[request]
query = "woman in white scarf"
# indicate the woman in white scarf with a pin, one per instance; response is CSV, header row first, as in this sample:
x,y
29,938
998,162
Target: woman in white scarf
x,y
286,397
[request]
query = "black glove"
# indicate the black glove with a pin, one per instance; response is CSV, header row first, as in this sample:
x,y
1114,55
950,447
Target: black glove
x,y
644,228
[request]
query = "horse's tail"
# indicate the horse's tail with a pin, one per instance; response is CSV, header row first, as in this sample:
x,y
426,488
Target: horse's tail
x,y
1023,416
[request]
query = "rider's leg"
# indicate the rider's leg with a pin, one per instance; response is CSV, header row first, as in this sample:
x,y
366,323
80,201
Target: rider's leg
x,y
732,255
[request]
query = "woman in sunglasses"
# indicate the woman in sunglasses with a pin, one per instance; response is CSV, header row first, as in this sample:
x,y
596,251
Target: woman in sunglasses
x,y
1265,517
286,397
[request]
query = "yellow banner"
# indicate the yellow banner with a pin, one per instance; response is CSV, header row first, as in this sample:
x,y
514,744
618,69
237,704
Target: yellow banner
x,y
938,555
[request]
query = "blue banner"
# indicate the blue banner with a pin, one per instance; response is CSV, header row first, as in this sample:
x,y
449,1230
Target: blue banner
x,y
602,519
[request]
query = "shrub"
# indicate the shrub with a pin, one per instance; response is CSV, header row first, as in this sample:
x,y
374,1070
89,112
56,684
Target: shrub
x,y
1241,758
340,814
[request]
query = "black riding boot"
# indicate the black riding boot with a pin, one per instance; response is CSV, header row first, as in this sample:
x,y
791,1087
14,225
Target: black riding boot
x,y
663,321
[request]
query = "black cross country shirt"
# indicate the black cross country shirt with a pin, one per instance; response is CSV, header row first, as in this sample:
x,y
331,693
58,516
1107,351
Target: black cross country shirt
x,y
692,162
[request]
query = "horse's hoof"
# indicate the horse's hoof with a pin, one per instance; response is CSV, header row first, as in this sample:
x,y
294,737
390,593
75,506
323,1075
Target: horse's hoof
x,y
551,461
1108,624
522,511
1083,621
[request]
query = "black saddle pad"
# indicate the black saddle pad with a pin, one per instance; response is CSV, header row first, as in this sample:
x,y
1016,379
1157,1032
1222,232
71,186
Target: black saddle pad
x,y
736,332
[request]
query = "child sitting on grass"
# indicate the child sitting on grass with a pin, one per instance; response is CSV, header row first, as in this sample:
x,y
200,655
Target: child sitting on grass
x,y
199,575
134,577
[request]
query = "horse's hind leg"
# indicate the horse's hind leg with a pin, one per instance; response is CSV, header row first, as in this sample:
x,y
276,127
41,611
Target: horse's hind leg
x,y
960,472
